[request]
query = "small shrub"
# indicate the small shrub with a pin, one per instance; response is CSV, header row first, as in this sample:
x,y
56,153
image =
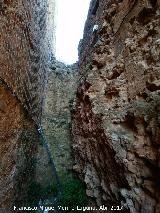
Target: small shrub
x,y
37,192
73,194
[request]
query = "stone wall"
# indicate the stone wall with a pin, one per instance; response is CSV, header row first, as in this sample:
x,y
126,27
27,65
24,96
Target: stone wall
x,y
24,52
116,124
25,48
18,144
62,85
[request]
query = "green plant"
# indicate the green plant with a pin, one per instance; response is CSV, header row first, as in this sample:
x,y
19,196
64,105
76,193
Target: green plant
x,y
34,192
37,192
73,194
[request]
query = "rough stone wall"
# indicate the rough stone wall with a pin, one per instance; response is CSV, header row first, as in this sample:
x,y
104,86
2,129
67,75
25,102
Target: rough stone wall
x,y
116,124
24,52
24,48
18,142
56,119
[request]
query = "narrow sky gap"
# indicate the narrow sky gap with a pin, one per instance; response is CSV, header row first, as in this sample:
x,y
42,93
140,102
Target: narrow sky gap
x,y
71,17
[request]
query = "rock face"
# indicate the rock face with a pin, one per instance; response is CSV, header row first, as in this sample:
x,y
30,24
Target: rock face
x,y
62,85
18,142
116,120
24,51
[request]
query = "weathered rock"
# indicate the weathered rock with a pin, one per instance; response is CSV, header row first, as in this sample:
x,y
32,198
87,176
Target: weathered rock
x,y
24,47
24,53
18,143
116,124
60,93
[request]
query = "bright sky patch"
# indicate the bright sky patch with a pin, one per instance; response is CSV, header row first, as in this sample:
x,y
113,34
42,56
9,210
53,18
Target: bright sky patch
x,y
71,16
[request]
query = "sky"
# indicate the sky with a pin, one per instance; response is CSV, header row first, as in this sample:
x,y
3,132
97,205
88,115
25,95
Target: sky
x,y
71,16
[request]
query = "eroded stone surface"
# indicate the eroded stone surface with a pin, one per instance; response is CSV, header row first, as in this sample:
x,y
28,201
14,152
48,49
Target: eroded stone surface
x,y
18,142
60,93
116,119
25,50
24,53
